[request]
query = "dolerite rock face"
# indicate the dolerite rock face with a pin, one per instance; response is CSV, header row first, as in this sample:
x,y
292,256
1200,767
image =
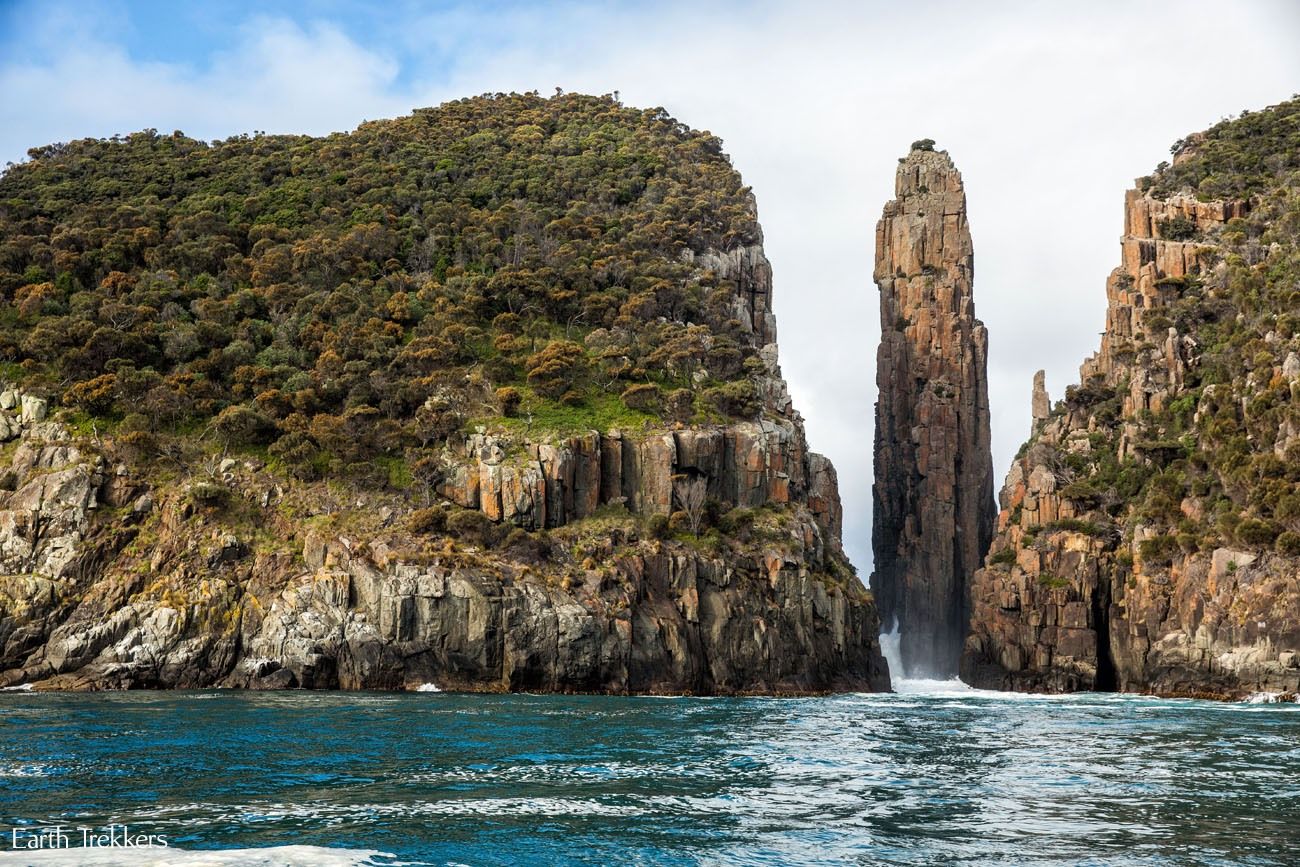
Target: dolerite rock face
x,y
1093,583
112,580
933,494
111,584
550,484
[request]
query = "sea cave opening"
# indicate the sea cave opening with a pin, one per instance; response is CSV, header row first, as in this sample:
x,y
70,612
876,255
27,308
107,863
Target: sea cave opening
x,y
1105,680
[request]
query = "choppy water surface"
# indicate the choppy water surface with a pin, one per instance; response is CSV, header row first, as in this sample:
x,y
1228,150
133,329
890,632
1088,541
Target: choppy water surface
x,y
942,776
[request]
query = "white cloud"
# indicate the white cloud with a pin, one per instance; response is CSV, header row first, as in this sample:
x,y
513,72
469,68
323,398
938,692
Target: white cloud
x,y
1050,112
280,77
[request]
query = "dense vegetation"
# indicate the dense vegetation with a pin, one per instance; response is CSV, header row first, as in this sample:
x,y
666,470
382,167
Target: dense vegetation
x,y
1219,463
369,294
1235,158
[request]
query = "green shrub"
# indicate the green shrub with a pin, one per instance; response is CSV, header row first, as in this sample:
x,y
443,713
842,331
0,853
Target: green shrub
x,y
93,396
300,455
737,522
1178,228
644,397
1288,543
1159,550
738,399
553,371
658,527
1256,533
137,445
237,426
1004,557
680,404
1076,525
209,494
509,398
135,421
523,545
431,520
472,526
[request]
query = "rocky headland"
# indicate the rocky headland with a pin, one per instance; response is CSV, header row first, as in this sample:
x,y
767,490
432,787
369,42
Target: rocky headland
x,y
1147,540
400,410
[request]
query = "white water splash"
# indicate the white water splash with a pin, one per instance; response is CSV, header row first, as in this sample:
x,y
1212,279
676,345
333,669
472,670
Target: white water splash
x,y
22,687
890,648
1271,698
428,687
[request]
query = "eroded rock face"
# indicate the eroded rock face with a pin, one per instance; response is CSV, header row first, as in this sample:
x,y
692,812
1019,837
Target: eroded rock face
x,y
197,607
677,622
1041,404
164,593
1067,600
933,495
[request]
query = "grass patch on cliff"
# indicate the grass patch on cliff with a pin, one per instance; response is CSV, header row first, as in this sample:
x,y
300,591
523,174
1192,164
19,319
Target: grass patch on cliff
x,y
538,416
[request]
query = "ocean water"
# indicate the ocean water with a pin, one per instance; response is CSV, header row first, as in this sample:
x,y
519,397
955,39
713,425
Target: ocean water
x,y
938,774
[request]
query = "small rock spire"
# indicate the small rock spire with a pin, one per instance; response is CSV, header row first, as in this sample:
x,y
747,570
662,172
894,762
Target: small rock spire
x,y
1042,404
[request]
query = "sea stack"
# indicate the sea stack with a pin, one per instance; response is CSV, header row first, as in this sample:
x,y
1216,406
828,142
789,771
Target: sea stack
x,y
933,494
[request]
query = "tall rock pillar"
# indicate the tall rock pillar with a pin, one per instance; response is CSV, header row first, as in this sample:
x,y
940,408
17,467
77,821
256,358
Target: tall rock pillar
x,y
933,494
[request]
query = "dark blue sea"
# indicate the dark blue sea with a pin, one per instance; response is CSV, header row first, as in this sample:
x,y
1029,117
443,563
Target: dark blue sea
x,y
939,775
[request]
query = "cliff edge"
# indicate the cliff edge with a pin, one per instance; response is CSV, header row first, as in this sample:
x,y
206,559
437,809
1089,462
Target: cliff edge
x,y
485,397
1148,539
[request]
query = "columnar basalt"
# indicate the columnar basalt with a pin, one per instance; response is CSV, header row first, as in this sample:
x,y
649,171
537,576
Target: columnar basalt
x,y
933,494
1143,542
420,412
112,583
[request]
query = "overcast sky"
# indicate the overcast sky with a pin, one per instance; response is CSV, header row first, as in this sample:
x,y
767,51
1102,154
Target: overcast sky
x,y
1050,110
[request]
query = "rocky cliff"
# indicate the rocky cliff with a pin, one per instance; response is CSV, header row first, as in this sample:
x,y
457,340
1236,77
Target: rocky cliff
x,y
115,579
412,405
933,494
1147,539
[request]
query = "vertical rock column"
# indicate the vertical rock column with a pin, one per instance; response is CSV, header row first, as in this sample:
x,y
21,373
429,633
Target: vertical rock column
x,y
933,494
1041,404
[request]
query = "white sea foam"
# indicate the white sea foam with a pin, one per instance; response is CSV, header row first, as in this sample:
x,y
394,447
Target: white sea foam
x,y
22,687
270,856
428,687
25,771
890,648
1270,698
932,686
